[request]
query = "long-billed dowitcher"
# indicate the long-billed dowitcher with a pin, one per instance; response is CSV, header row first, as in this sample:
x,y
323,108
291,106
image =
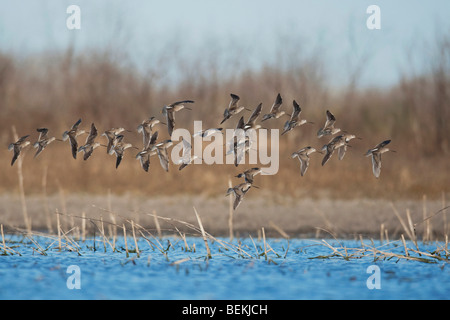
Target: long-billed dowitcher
x,y
90,143
339,143
119,148
239,147
147,151
239,192
275,111
328,128
233,108
146,128
207,133
43,141
238,136
249,174
251,122
18,146
375,153
169,112
111,135
163,155
72,134
295,120
186,159
303,157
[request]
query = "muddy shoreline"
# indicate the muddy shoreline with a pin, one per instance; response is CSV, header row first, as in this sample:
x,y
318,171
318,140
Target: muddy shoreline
x,y
299,218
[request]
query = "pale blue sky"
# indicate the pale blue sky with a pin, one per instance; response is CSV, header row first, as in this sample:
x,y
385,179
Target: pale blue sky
x,y
141,28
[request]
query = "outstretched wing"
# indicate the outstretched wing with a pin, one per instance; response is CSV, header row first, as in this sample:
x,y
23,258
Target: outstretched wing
x,y
304,164
153,139
234,99
296,110
341,151
330,119
16,154
255,114
163,158
42,133
22,139
179,103
145,161
237,201
170,117
186,152
92,135
376,164
40,146
330,150
382,144
241,123
75,126
74,145
119,155
277,104
87,152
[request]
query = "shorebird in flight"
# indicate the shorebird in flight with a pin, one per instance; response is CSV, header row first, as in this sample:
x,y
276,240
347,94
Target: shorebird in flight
x,y
90,143
112,135
72,134
146,128
233,108
295,120
18,146
303,157
144,155
240,143
375,153
249,174
339,143
207,133
328,128
119,148
275,111
238,137
163,155
43,141
251,122
240,149
186,158
239,192
169,113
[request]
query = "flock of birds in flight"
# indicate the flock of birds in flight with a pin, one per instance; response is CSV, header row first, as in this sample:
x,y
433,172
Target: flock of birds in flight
x,y
117,146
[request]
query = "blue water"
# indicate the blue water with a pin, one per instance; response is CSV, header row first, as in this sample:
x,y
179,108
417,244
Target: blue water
x,y
295,271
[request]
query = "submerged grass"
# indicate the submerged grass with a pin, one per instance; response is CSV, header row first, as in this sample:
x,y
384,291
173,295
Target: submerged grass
x,y
16,239
72,240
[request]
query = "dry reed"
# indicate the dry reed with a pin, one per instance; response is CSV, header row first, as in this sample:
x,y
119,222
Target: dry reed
x,y
230,212
208,251
125,239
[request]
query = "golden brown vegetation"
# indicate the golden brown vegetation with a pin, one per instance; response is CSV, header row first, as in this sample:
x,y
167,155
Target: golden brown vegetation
x,y
56,89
